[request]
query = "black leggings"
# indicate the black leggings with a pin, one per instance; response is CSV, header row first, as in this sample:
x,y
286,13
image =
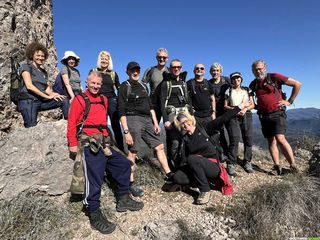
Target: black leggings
x,y
199,170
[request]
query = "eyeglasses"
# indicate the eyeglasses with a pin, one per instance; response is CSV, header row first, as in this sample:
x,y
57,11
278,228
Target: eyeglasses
x,y
162,57
199,68
178,67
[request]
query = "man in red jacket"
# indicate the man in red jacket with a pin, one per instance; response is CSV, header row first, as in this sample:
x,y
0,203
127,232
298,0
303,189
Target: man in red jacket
x,y
98,157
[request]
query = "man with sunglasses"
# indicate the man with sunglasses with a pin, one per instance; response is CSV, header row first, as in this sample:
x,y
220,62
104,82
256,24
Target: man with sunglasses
x,y
154,76
174,98
201,95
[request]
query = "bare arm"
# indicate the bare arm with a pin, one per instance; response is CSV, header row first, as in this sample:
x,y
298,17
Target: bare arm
x,y
124,123
296,86
66,82
155,122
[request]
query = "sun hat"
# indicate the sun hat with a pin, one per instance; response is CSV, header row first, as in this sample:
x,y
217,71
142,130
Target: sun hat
x,y
235,74
68,54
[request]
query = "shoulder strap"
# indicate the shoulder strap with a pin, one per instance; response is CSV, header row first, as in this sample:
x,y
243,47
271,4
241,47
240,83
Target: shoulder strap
x,y
129,89
193,84
113,77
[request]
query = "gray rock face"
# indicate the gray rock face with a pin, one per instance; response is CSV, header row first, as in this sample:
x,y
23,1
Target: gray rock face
x,y
35,158
21,22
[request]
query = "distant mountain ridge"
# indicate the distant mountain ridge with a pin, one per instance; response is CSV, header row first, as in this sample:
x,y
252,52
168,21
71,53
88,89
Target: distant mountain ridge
x,y
301,122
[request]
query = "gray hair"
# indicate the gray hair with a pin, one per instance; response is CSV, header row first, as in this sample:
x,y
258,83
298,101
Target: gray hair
x,y
255,63
216,65
162,50
110,66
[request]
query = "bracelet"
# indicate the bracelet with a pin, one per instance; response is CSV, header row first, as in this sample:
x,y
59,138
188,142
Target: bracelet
x,y
126,131
290,101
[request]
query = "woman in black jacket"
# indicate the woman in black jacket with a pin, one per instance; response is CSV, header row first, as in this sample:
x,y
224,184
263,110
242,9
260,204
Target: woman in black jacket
x,y
200,155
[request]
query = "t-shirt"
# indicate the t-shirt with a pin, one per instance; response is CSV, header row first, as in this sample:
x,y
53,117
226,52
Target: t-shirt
x,y
154,77
236,96
74,79
39,79
200,94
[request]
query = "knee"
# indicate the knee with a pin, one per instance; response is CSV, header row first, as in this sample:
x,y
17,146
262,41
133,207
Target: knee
x,y
192,160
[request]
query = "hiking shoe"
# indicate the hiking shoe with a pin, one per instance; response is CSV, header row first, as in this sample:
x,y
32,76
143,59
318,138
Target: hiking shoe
x,y
169,177
294,168
136,190
231,170
125,203
204,198
99,222
248,167
276,170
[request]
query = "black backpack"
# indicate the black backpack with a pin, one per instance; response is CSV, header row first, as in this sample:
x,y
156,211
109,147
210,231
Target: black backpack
x,y
15,77
81,125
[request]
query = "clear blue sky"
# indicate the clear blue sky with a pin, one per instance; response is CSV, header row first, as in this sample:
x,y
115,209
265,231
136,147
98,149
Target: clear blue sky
x,y
285,33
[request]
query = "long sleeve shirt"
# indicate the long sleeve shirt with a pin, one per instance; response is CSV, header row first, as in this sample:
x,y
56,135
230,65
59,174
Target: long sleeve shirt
x,y
96,116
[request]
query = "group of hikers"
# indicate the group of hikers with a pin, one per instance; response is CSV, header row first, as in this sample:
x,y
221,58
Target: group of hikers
x,y
204,121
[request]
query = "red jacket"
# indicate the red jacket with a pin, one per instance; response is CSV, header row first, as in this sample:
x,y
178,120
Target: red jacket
x,y
97,116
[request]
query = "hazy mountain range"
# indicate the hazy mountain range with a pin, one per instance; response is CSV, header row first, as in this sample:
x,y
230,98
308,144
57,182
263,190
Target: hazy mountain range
x,y
301,122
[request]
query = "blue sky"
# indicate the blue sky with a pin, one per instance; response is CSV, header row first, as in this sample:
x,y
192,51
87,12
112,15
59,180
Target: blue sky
x,y
285,33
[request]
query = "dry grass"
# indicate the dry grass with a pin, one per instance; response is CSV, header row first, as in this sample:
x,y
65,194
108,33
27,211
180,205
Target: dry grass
x,y
33,216
282,210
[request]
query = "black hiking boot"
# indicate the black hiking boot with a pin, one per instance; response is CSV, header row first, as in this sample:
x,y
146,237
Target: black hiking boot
x,y
125,203
276,170
99,222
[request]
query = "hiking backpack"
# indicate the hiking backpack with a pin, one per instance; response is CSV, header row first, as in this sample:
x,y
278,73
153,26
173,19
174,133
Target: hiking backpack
x,y
59,86
81,125
15,77
129,88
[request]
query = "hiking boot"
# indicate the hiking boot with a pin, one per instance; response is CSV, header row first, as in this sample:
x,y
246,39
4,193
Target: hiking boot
x,y
294,168
169,177
231,170
204,198
125,203
136,190
276,170
248,167
99,222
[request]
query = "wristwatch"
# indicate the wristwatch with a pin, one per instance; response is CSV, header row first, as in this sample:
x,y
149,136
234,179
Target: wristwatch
x,y
125,131
290,101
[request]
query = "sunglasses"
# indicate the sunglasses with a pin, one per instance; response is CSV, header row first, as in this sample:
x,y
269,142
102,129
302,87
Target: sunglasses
x,y
178,67
199,68
162,57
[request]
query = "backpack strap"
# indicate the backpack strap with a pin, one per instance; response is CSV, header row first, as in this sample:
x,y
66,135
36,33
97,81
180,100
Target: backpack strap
x,y
86,111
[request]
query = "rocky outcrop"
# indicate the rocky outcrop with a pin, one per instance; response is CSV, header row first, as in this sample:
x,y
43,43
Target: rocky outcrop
x,y
21,22
314,162
35,159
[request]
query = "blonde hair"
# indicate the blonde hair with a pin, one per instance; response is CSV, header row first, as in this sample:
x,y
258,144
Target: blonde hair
x,y
110,66
184,114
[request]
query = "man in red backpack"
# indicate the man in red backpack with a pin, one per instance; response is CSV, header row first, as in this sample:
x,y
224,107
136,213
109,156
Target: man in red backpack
x,y
271,104
99,157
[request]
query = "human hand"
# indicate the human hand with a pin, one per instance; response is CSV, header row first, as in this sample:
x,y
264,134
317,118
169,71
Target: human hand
x,y
129,139
157,129
283,103
167,125
56,96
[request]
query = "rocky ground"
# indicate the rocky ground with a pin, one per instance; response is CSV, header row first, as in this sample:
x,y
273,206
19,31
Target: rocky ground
x,y
173,215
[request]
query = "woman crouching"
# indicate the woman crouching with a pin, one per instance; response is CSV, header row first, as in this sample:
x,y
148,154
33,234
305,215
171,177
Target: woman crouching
x,y
200,164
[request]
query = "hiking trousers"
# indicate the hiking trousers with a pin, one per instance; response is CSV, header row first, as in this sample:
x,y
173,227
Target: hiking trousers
x,y
240,127
29,109
95,165
199,171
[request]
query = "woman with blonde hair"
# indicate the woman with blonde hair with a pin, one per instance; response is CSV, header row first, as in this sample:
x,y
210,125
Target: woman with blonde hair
x,y
110,85
200,164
